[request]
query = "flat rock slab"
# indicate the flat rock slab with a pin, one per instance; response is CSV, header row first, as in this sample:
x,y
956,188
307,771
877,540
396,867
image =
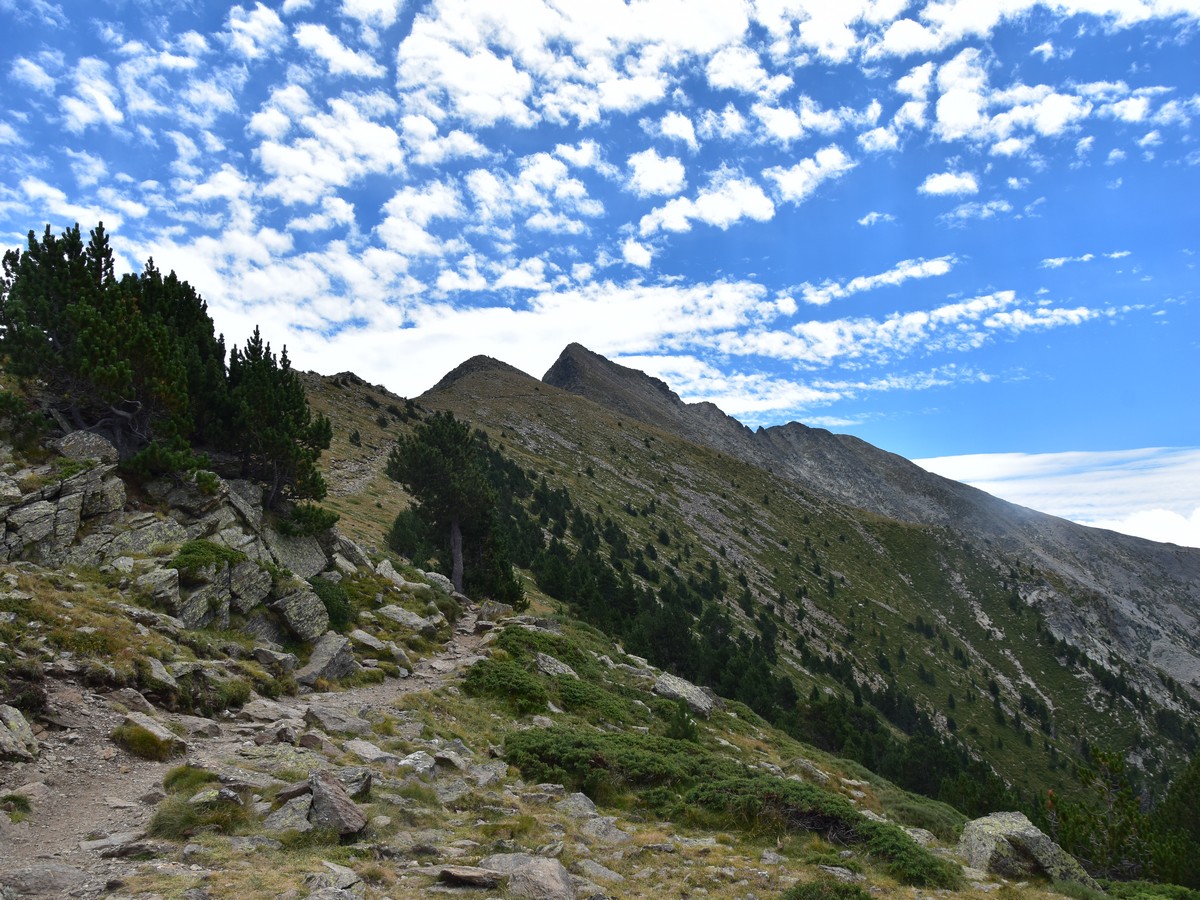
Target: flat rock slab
x,y
49,880
469,876
532,877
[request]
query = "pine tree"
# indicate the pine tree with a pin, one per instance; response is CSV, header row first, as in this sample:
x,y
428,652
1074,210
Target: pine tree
x,y
443,465
277,435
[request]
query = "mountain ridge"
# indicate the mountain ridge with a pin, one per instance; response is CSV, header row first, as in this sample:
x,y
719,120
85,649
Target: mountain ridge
x,y
849,470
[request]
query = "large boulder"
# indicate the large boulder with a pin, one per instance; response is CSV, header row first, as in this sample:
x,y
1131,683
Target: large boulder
x,y
1009,845
332,807
16,737
303,613
301,555
675,688
331,658
86,445
533,877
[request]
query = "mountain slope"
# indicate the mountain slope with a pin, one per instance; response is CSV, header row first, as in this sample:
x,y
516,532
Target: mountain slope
x,y
1143,595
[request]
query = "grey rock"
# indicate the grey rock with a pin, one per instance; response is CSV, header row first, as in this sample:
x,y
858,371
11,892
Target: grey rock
x,y
206,606
260,709
352,552
331,658
439,581
548,665
86,445
368,752
302,556
16,737
577,806
303,613
266,628
493,611
469,876
276,660
247,498
339,883
594,871
334,719
131,699
46,880
332,806
33,522
10,491
369,641
161,585
675,688
198,726
422,764
107,497
249,585
1009,845
604,830
357,780
425,626
532,877
292,816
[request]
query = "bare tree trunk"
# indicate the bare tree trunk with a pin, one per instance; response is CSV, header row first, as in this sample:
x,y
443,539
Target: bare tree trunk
x,y
456,555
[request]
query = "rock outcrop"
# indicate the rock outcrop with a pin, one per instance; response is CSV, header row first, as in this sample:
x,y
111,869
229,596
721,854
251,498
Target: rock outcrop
x,y
1009,845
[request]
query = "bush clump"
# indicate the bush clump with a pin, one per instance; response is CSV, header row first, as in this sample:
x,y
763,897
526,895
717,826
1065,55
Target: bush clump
x,y
177,818
337,603
826,889
505,680
195,556
142,743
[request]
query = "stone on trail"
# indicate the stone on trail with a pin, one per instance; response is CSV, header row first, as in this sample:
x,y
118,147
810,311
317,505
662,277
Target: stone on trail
x,y
532,877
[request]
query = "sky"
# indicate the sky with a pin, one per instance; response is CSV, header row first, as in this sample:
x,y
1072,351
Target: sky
x,y
963,230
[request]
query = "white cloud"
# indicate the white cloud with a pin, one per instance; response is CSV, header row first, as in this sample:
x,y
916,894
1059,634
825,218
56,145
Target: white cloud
x,y
950,183
965,212
382,13
636,254
654,175
904,271
878,139
1045,50
874,218
27,72
678,126
255,33
429,148
1057,262
95,99
739,68
728,198
1152,493
338,58
796,183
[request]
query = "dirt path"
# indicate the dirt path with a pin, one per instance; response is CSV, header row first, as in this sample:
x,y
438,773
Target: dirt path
x,y
84,787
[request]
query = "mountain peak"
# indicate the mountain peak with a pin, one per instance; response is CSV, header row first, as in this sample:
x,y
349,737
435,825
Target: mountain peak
x,y
476,365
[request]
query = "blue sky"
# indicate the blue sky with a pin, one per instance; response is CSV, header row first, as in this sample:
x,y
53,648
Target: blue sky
x,y
965,231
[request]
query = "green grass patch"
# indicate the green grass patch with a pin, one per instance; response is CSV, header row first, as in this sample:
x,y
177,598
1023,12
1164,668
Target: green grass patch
x,y
16,806
826,889
143,743
187,779
195,556
176,819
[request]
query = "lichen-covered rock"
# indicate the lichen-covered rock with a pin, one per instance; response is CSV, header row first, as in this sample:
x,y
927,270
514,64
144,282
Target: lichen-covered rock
x,y
107,497
86,445
548,665
332,658
303,613
249,585
533,877
332,807
422,625
16,737
292,816
1009,845
675,688
303,556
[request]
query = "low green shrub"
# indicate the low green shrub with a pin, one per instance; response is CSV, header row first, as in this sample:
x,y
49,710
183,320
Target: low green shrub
x,y
589,700
337,603
308,520
142,743
826,889
194,556
504,679
187,779
176,819
16,806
